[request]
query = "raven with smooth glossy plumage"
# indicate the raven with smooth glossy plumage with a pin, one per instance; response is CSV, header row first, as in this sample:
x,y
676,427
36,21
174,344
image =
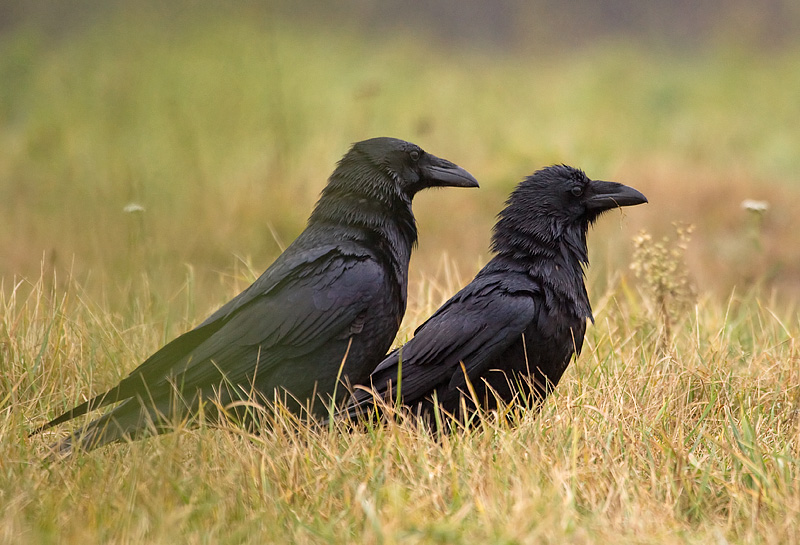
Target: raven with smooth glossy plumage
x,y
511,332
328,308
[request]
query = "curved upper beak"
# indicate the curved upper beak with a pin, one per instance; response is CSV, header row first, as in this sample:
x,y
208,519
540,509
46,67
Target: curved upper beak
x,y
438,172
604,196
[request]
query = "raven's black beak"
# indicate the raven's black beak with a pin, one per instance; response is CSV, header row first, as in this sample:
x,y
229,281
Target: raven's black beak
x,y
602,196
438,172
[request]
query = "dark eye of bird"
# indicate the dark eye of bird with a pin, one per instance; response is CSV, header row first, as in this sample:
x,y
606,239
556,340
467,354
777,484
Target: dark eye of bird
x,y
414,155
577,191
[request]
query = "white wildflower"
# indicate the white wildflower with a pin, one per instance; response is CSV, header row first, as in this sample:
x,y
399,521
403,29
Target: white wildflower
x,y
755,206
133,207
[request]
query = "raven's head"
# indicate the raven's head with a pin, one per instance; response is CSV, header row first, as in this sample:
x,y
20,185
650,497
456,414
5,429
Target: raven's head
x,y
556,205
407,166
566,194
373,186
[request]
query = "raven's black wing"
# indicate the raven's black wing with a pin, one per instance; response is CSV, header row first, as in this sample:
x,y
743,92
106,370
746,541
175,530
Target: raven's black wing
x,y
302,300
472,328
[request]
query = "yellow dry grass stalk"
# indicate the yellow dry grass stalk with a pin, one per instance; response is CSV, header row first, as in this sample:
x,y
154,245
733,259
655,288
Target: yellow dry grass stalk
x,y
694,444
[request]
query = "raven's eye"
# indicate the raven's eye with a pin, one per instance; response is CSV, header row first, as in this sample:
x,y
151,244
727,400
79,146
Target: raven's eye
x,y
577,191
414,155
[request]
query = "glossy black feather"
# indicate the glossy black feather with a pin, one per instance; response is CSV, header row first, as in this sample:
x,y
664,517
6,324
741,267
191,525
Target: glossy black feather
x,y
337,293
511,332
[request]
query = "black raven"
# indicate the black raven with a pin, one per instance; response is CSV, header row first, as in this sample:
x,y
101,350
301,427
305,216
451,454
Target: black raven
x,y
329,306
519,322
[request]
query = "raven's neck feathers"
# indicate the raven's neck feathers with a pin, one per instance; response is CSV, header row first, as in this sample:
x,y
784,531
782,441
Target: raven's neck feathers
x,y
553,253
364,204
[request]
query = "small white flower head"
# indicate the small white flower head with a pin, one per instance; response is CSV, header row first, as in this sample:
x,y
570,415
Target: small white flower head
x,y
755,206
133,207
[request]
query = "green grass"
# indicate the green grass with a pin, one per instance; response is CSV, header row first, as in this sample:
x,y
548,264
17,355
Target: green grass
x,y
225,128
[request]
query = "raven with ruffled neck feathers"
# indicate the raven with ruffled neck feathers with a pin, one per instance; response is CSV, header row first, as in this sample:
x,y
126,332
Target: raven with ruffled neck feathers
x,y
511,332
328,307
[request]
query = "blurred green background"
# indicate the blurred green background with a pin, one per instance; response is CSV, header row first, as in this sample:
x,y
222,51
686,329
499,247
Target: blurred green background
x,y
216,124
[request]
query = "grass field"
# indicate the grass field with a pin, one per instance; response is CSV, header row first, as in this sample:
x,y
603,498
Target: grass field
x,y
224,130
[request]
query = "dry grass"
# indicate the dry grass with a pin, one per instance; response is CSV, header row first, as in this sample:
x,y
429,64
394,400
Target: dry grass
x,y
693,442
224,131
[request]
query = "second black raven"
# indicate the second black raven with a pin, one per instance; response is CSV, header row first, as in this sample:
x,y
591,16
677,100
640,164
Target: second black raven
x,y
511,332
329,306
